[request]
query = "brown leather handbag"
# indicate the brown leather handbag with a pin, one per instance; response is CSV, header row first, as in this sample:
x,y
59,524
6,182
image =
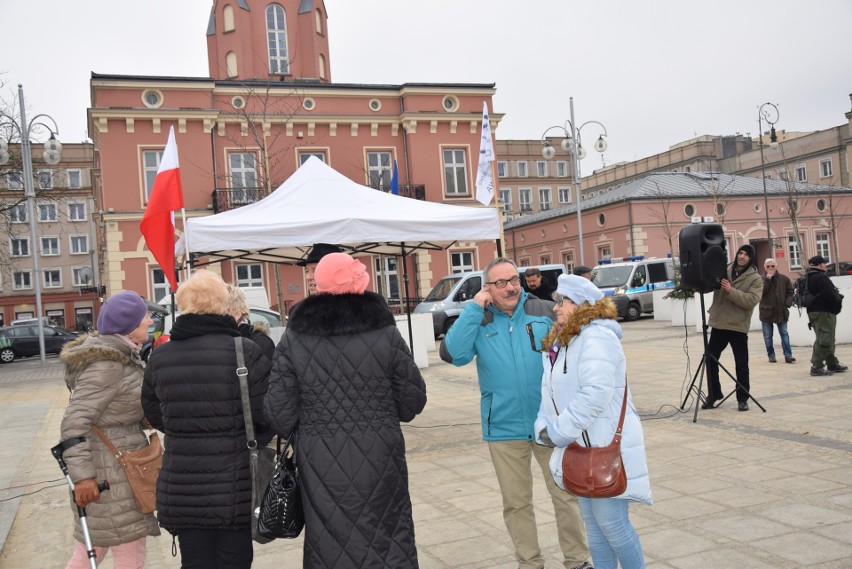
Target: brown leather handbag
x,y
142,467
596,472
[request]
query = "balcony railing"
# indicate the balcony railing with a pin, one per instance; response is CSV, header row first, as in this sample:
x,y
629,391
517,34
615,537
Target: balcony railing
x,y
417,192
225,199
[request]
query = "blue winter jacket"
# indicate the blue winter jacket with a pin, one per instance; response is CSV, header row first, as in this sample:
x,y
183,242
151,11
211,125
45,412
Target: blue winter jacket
x,y
507,361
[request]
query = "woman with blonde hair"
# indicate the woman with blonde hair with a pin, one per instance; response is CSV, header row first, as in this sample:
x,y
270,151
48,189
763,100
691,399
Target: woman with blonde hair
x,y
192,394
583,387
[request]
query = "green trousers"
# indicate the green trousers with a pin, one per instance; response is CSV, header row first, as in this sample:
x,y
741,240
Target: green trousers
x,y
823,324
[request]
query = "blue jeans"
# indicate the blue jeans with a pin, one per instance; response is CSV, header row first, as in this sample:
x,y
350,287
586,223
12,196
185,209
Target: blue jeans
x,y
612,538
785,339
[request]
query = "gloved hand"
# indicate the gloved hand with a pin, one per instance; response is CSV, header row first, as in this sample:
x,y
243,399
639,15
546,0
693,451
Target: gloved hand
x,y
86,491
545,439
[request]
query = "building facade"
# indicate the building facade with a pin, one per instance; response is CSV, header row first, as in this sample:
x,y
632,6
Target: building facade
x,y
65,240
268,105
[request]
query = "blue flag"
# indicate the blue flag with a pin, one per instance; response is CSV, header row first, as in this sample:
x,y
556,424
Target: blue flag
x,y
394,185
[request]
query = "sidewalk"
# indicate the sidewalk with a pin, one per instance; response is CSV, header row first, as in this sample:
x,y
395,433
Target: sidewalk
x,y
754,490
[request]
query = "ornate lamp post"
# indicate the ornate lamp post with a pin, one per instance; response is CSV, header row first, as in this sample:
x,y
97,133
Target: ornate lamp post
x,y
51,155
573,143
767,112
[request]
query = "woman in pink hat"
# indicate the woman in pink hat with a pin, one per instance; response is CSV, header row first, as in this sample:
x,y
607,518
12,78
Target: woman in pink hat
x,y
345,376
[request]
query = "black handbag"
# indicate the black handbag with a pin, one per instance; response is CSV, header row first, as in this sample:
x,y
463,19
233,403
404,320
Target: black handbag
x,y
261,460
281,512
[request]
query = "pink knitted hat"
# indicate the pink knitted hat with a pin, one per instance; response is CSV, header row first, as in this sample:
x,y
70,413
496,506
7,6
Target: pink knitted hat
x,y
339,273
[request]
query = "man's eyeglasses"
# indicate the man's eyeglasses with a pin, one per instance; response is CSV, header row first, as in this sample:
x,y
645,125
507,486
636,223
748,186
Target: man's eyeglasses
x,y
501,283
770,266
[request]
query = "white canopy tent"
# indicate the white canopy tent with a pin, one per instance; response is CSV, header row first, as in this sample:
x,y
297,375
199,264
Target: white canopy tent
x,y
317,204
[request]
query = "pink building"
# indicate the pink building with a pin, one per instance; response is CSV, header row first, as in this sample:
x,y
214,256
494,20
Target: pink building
x,y
268,105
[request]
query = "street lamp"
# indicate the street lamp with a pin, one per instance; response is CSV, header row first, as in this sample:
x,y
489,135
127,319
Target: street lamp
x,y
573,143
766,112
51,155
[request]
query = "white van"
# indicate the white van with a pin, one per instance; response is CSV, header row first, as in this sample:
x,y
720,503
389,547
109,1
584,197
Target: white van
x,y
636,278
448,296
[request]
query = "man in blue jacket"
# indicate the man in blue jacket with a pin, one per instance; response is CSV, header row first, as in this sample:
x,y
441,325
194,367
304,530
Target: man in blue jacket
x,y
503,327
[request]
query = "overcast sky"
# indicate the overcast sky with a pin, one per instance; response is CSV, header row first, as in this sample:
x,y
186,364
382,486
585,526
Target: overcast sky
x,y
654,72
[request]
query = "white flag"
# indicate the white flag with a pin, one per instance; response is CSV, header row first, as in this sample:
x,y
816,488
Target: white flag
x,y
484,175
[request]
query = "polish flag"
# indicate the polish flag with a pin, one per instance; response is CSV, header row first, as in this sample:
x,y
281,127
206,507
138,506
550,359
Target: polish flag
x,y
158,222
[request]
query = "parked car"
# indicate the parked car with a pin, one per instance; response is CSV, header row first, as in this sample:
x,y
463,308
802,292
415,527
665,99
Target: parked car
x,y
845,269
21,340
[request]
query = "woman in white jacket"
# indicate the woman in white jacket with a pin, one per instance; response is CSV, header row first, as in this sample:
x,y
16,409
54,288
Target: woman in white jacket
x,y
584,377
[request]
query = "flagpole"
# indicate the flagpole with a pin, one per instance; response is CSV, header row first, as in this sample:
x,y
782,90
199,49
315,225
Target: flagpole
x,y
501,239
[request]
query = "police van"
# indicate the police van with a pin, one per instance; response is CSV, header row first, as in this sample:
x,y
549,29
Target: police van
x,y
452,292
636,278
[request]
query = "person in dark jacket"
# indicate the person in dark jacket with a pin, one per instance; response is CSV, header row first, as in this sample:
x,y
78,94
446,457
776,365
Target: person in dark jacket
x,y
537,284
822,314
343,373
257,332
192,394
104,373
774,309
317,252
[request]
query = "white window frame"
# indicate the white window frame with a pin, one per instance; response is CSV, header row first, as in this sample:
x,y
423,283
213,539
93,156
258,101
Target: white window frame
x,y
49,251
541,168
19,246
305,154
15,180
826,170
44,212
568,261
523,171
242,173
75,178
823,245
380,168
160,287
545,201
502,168
387,276
74,242
605,252
18,213
243,275
564,194
782,175
22,275
44,179
76,276
561,168
150,165
801,173
506,198
793,251
276,40
461,261
75,209
52,277
455,171
525,199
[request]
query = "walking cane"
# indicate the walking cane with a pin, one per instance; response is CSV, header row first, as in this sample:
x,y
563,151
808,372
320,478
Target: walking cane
x,y
57,452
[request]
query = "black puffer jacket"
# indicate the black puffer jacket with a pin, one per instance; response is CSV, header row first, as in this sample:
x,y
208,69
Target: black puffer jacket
x,y
828,298
344,373
192,394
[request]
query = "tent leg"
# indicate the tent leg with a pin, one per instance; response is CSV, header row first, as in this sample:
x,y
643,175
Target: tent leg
x,y
407,299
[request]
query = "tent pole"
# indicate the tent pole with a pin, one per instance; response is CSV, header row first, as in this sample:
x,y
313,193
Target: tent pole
x,y
407,299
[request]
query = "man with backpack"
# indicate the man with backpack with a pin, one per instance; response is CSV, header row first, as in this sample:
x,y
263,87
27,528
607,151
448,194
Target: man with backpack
x,y
822,313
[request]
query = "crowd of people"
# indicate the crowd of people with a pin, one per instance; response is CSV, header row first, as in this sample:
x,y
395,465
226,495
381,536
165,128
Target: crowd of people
x,y
551,372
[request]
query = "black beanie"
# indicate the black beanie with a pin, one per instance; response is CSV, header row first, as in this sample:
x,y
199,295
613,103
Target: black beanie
x,y
749,250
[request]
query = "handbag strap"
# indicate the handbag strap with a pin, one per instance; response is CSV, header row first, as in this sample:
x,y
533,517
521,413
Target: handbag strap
x,y
97,430
242,376
617,438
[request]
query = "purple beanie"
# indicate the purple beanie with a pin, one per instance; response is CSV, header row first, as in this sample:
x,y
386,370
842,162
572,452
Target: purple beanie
x,y
122,313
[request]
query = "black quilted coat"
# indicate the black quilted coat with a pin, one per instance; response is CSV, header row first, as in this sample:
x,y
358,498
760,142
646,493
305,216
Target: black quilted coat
x,y
192,394
344,373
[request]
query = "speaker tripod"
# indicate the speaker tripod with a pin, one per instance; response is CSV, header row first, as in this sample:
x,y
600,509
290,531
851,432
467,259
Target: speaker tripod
x,y
699,373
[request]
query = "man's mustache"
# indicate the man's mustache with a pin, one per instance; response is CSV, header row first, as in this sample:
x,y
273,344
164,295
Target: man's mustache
x,y
511,293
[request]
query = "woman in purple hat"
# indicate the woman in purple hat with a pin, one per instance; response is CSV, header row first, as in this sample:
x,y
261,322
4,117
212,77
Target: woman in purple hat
x,y
104,373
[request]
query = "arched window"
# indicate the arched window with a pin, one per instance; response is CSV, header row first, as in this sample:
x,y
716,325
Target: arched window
x,y
228,17
276,40
322,66
231,64
318,18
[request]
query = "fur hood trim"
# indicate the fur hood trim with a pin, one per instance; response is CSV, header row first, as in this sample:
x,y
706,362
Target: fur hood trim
x,y
340,314
584,315
80,353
